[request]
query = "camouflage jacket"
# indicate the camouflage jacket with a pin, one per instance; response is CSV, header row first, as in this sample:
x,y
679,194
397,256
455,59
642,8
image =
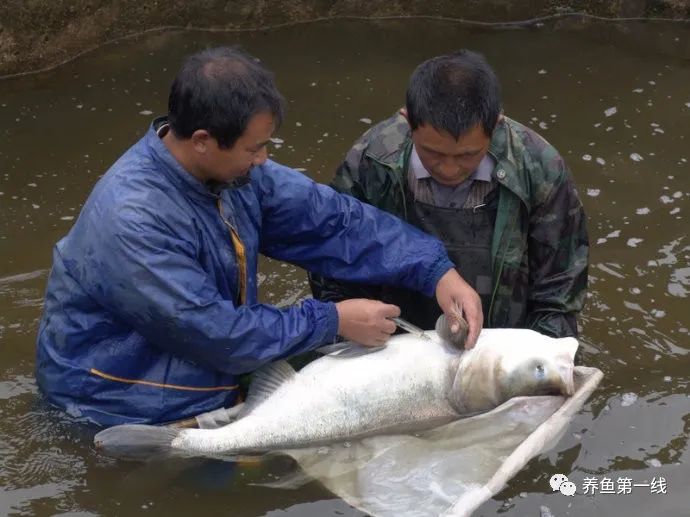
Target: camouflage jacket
x,y
540,246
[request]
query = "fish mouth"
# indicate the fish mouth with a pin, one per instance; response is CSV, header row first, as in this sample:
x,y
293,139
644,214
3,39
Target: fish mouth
x,y
566,367
567,378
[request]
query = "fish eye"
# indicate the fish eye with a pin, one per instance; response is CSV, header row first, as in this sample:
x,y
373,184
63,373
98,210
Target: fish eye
x,y
539,370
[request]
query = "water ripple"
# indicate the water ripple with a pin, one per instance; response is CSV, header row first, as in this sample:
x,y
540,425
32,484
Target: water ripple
x,y
17,386
20,499
22,277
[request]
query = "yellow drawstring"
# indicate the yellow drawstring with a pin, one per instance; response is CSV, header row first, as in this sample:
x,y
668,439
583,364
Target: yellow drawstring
x,y
115,378
240,252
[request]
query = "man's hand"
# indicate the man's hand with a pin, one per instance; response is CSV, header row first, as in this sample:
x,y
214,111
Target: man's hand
x,y
457,299
366,321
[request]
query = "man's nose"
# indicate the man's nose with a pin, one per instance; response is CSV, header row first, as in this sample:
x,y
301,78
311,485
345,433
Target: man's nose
x,y
449,168
261,157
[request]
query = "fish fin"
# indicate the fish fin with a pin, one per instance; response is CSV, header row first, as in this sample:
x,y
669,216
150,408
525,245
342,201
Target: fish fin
x,y
138,442
348,349
265,381
290,481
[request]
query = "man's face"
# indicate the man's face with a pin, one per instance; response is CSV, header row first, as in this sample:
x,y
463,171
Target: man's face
x,y
249,149
450,161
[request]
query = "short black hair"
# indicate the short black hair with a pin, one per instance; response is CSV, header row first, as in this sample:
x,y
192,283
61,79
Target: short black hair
x,y
219,90
454,93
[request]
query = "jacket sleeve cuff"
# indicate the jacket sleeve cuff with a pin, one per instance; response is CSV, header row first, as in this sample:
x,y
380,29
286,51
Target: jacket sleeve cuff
x,y
331,322
326,330
437,270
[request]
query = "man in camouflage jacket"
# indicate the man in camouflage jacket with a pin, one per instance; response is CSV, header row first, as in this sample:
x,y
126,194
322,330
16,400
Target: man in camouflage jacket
x,y
538,247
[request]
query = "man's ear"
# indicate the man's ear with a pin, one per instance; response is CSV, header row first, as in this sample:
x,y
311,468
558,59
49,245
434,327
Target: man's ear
x,y
403,111
200,140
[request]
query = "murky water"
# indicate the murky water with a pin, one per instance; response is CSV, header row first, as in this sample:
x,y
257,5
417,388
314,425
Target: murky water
x,y
614,99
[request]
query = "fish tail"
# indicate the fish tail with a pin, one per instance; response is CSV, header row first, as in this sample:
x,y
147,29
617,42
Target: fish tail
x,y
140,442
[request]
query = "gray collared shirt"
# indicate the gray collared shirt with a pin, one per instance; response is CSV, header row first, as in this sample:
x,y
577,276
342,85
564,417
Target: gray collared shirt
x,y
451,197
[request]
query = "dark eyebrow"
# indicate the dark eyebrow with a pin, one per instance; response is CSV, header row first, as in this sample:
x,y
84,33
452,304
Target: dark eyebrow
x,y
430,150
466,153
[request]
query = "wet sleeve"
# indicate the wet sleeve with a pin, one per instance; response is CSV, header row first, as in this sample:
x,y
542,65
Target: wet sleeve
x,y
558,260
147,275
345,182
337,236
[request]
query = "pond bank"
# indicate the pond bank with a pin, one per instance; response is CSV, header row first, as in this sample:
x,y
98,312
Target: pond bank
x,y
44,33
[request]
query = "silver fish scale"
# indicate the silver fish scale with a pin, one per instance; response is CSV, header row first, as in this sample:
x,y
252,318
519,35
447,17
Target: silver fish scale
x,y
401,387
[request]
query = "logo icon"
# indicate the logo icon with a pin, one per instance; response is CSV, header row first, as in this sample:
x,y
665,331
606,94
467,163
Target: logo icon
x,y
559,482
568,488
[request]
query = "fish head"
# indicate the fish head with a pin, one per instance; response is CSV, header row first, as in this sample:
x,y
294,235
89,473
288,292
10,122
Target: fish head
x,y
544,370
508,363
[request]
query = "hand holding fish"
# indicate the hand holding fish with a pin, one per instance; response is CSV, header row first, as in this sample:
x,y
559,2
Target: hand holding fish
x,y
457,299
366,321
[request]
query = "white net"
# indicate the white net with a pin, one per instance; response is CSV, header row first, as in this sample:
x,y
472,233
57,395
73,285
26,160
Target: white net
x,y
450,470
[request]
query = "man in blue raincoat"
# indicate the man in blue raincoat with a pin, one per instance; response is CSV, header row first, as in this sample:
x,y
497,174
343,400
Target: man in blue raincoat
x,y
151,310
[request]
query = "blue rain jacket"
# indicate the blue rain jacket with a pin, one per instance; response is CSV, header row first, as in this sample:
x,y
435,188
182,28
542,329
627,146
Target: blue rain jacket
x,y
142,321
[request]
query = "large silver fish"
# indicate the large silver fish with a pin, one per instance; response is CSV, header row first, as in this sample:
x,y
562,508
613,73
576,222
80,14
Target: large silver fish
x,y
411,384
